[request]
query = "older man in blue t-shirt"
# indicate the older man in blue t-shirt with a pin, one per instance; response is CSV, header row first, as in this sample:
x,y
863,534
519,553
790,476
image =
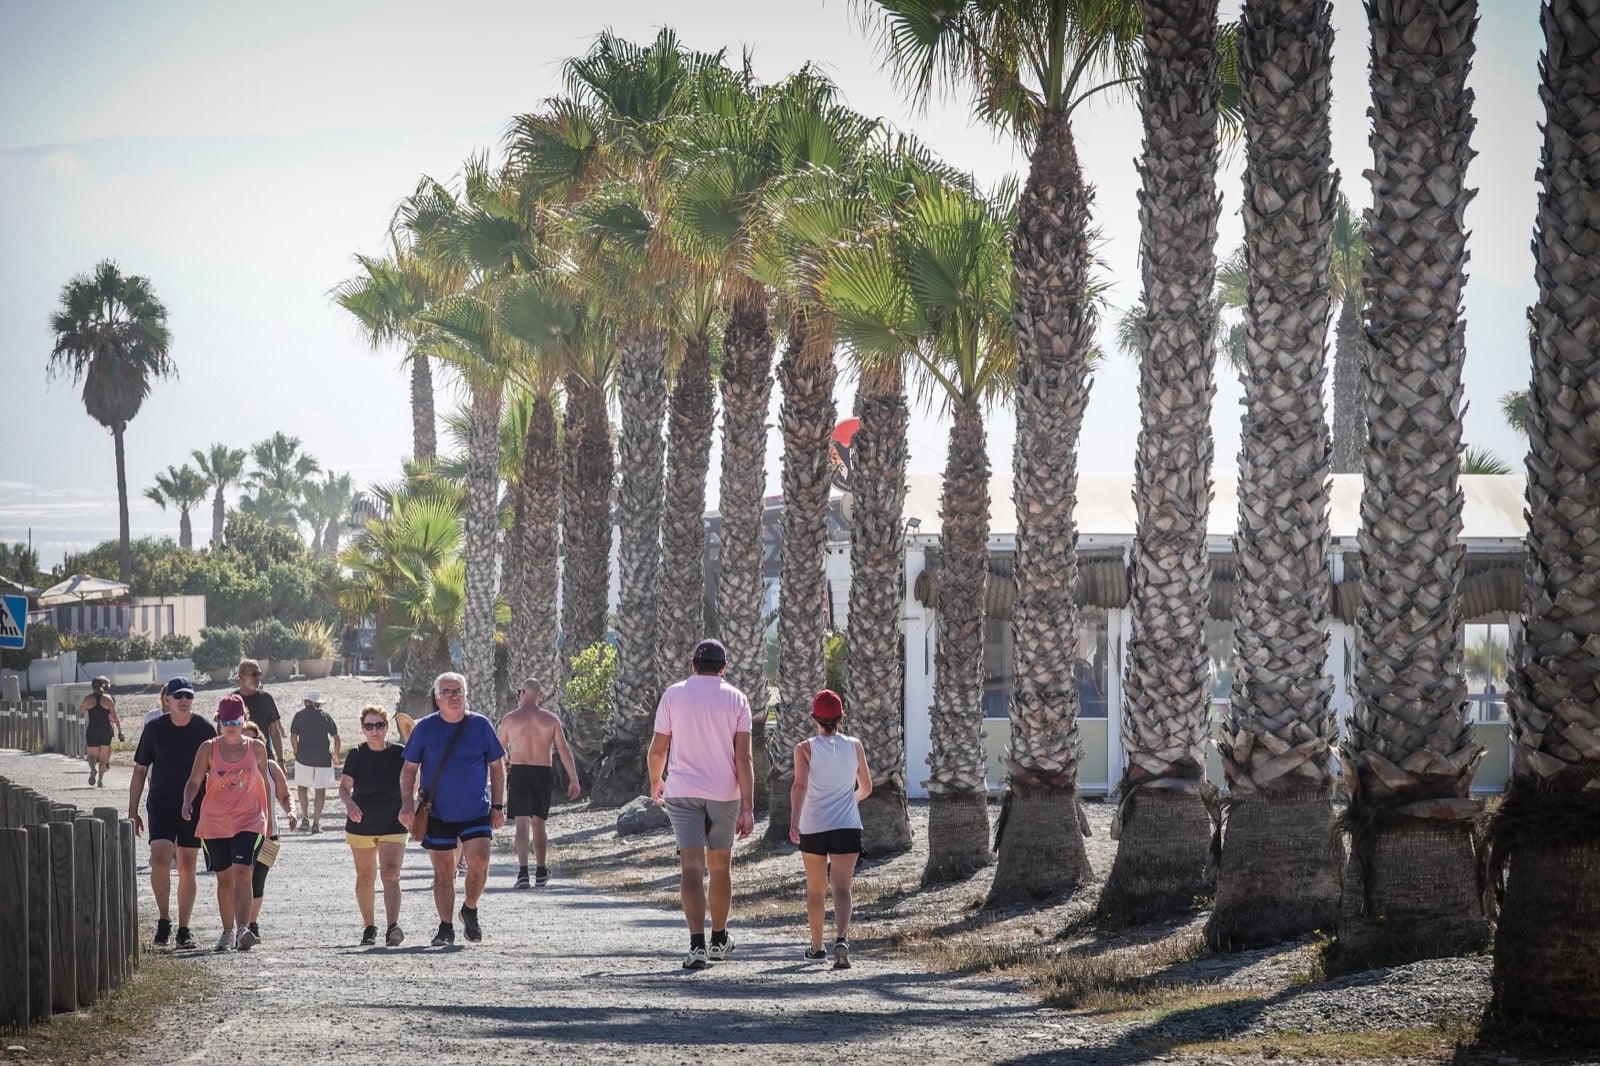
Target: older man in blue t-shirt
x,y
461,764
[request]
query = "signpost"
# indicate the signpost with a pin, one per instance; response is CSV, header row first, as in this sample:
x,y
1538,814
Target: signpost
x,y
13,621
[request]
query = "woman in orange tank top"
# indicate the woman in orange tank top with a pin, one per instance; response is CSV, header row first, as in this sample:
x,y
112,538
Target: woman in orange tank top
x,y
235,817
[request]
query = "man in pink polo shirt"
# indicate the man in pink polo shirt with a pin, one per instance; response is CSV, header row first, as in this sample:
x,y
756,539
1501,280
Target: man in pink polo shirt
x,y
702,743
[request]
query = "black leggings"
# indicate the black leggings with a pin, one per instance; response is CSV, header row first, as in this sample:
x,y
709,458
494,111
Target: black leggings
x,y
258,879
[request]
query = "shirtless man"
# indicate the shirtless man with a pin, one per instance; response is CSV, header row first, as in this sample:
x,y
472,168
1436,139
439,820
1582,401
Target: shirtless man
x,y
528,733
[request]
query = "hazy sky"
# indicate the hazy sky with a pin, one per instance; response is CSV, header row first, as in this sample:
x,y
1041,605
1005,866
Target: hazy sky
x,y
238,154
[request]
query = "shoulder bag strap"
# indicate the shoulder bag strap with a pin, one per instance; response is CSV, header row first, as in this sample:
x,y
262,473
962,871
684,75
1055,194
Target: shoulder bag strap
x,y
448,748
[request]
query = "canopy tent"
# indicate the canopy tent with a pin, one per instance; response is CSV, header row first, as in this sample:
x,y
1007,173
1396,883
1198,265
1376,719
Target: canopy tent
x,y
16,588
82,588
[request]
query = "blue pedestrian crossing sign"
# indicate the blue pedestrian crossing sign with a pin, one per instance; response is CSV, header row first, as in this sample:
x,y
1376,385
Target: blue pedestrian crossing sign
x,y
13,621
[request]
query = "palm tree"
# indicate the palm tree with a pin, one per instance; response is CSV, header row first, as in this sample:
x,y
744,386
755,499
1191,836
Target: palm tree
x,y
1545,831
937,283
280,474
111,334
1277,873
325,506
1482,461
221,466
1164,813
1410,752
1028,69
1514,408
1346,267
182,487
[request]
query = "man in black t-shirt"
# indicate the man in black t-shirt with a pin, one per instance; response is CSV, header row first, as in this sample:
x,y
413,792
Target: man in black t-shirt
x,y
263,708
314,738
165,756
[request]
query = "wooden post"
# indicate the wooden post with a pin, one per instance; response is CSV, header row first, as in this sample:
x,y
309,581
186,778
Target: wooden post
x,y
88,847
14,928
40,924
63,812
130,897
115,964
63,919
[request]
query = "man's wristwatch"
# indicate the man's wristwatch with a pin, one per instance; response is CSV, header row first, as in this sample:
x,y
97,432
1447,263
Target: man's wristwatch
x,y
497,806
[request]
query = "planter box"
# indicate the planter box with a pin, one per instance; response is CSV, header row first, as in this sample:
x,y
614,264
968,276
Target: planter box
x,y
43,673
316,669
220,675
167,669
282,669
140,673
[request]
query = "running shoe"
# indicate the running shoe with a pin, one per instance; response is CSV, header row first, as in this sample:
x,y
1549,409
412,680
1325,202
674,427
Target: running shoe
x,y
395,936
469,924
102,780
841,955
255,931
163,932
697,959
185,939
522,879
721,950
445,937
225,941
541,876
247,939
91,777
369,936
816,955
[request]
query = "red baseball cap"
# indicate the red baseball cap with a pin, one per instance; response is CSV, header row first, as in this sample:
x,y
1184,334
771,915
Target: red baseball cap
x,y
232,708
827,706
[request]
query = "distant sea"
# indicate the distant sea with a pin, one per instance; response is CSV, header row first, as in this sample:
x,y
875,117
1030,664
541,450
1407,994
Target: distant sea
x,y
62,521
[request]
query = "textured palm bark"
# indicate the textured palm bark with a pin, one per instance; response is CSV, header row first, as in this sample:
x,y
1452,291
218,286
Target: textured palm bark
x,y
642,385
427,656
958,842
1276,742
691,418
1410,754
124,551
1055,324
1349,419
1546,969
586,474
807,418
1167,683
424,435
875,668
747,344
219,515
534,578
482,539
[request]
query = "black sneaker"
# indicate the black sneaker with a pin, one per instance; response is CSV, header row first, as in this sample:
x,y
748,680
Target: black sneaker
x,y
541,876
185,939
369,936
395,936
163,932
445,937
255,931
816,955
469,924
522,878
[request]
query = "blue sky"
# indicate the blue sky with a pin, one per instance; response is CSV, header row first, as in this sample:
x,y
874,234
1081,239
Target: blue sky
x,y
238,154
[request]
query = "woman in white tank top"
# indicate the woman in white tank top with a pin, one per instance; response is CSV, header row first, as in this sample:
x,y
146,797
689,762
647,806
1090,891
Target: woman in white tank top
x,y
830,780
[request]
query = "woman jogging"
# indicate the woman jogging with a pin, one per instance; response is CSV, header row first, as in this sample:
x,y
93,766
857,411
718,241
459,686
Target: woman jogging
x,y
369,788
101,710
235,818
830,781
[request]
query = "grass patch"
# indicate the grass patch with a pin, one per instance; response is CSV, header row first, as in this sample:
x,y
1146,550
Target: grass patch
x,y
112,1027
1447,1036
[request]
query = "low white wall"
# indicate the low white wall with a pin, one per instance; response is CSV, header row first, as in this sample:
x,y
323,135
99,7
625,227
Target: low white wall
x,y
139,673
167,669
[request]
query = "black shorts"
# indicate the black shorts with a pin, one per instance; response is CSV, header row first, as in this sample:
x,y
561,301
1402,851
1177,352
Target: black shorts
x,y
237,850
443,835
832,842
528,791
162,823
98,736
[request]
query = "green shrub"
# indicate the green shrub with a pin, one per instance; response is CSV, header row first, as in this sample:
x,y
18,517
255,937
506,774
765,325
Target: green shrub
x,y
173,646
835,654
588,690
271,639
98,649
220,646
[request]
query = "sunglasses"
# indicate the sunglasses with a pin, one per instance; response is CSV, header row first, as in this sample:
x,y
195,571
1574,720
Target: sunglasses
x,y
249,673
181,696
232,722
374,725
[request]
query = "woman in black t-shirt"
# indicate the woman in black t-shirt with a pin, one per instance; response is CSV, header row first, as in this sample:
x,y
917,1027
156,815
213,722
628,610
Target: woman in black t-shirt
x,y
370,790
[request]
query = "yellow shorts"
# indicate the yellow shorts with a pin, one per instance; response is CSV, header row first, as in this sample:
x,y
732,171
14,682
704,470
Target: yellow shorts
x,y
356,840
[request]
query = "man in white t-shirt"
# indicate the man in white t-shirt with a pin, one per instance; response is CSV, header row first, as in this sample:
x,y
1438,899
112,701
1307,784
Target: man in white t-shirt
x,y
702,745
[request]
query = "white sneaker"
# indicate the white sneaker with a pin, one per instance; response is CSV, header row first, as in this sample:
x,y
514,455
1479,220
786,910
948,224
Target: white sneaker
x,y
225,941
721,951
246,940
697,959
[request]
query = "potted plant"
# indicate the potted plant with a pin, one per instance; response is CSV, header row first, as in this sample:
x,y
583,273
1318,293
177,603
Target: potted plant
x,y
270,641
316,648
219,651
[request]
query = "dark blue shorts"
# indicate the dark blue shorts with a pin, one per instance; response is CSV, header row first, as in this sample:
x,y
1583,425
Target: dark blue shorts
x,y
162,822
443,835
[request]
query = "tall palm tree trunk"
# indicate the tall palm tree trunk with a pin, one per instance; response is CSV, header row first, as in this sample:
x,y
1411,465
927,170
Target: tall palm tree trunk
x,y
1163,859
1349,421
958,793
1411,889
219,515
691,418
1277,873
534,578
586,473
1040,847
875,667
185,530
482,538
427,656
1546,969
642,382
747,344
424,435
124,552
807,418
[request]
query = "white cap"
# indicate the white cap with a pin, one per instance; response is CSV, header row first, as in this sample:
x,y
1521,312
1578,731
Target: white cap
x,y
313,697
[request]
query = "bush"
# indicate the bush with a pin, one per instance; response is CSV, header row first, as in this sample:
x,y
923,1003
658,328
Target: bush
x,y
588,690
316,639
97,649
220,646
173,646
271,639
835,653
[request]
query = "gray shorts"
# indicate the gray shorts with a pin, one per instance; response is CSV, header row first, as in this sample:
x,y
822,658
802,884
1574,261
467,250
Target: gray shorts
x,y
701,823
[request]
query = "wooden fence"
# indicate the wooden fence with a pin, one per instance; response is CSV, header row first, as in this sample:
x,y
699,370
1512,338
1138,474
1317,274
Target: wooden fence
x,y
69,915
44,725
